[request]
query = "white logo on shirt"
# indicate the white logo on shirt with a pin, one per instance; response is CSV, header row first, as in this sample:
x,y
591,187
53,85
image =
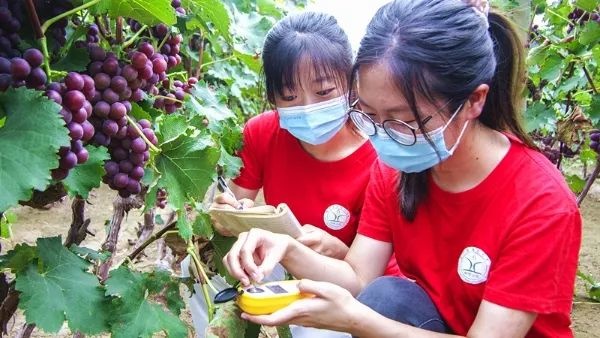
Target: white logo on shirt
x,y
473,265
336,216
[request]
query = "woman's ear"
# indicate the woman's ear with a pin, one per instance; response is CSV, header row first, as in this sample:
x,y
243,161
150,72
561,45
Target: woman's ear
x,y
476,101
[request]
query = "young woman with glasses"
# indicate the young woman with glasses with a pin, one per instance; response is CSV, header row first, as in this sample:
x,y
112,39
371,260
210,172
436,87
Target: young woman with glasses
x,y
482,225
306,152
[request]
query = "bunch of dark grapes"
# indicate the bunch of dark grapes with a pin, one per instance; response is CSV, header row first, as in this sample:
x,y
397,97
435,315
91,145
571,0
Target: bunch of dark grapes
x,y
172,99
580,16
161,198
117,85
111,101
92,35
10,24
73,95
595,141
171,50
147,68
48,9
25,71
129,153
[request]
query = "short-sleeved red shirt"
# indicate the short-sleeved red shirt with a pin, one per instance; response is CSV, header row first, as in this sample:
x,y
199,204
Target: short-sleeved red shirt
x,y
513,240
328,195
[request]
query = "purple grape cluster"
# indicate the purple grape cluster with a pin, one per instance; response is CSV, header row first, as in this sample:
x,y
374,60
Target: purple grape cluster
x,y
9,28
595,140
161,198
48,9
117,85
171,50
172,98
74,95
581,16
23,71
178,9
128,155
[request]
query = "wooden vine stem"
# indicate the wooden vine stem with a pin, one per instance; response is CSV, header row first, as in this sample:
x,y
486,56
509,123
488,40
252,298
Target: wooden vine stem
x,y
79,225
588,184
121,206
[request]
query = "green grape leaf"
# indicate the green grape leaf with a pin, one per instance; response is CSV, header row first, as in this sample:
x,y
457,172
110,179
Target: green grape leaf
x,y
587,5
187,167
201,12
161,284
184,226
138,310
594,110
87,176
76,60
250,30
596,53
18,258
222,245
231,164
204,102
61,288
147,12
226,322
203,226
169,127
576,183
590,35
30,139
536,116
269,8
90,254
139,113
7,219
551,69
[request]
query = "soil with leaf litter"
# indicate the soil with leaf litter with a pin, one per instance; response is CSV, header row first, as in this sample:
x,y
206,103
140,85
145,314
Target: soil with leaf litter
x,y
34,223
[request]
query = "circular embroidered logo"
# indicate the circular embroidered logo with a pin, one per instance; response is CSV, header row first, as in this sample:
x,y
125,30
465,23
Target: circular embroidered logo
x,y
336,216
473,265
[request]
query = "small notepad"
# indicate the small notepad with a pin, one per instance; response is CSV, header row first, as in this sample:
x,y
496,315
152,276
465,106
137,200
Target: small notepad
x,y
278,219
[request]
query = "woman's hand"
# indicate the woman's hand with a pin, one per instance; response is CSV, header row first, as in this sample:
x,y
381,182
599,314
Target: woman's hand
x,y
332,307
322,242
226,201
254,255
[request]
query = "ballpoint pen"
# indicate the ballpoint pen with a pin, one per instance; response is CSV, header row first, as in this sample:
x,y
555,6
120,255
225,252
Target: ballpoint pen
x,y
223,187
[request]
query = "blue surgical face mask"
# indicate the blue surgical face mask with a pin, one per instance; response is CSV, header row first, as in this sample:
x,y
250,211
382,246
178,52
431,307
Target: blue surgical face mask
x,y
315,123
419,156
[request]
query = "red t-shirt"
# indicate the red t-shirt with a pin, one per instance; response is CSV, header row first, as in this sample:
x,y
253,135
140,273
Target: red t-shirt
x,y
328,195
513,240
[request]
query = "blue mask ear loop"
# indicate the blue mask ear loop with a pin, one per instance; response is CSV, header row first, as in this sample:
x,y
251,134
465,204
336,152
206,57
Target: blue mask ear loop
x,y
453,148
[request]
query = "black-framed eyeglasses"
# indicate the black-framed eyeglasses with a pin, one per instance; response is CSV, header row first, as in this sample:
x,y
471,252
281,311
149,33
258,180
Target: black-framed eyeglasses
x,y
397,130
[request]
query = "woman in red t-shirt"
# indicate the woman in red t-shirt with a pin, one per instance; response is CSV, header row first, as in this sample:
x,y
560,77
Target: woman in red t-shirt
x,y
306,152
482,225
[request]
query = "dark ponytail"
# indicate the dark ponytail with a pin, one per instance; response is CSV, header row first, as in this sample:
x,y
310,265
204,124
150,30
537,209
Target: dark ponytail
x,y
443,49
505,98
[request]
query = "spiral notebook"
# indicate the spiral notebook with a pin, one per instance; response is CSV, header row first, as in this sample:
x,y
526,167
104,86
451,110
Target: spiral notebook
x,y
278,219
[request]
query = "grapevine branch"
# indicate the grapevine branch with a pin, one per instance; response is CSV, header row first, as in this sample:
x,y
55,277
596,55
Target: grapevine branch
x,y
119,29
589,182
134,37
194,260
34,19
170,226
590,80
216,61
79,225
121,206
168,98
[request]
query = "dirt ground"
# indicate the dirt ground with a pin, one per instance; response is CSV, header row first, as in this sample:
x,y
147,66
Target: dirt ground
x,y
32,223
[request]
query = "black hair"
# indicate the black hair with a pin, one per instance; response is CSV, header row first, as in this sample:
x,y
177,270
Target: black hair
x,y
311,36
443,50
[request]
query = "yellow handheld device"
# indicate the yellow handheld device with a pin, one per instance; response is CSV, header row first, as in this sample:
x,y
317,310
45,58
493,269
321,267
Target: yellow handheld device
x,y
267,298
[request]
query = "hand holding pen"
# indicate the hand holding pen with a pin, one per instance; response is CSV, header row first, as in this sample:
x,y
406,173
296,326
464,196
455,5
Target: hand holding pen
x,y
224,188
